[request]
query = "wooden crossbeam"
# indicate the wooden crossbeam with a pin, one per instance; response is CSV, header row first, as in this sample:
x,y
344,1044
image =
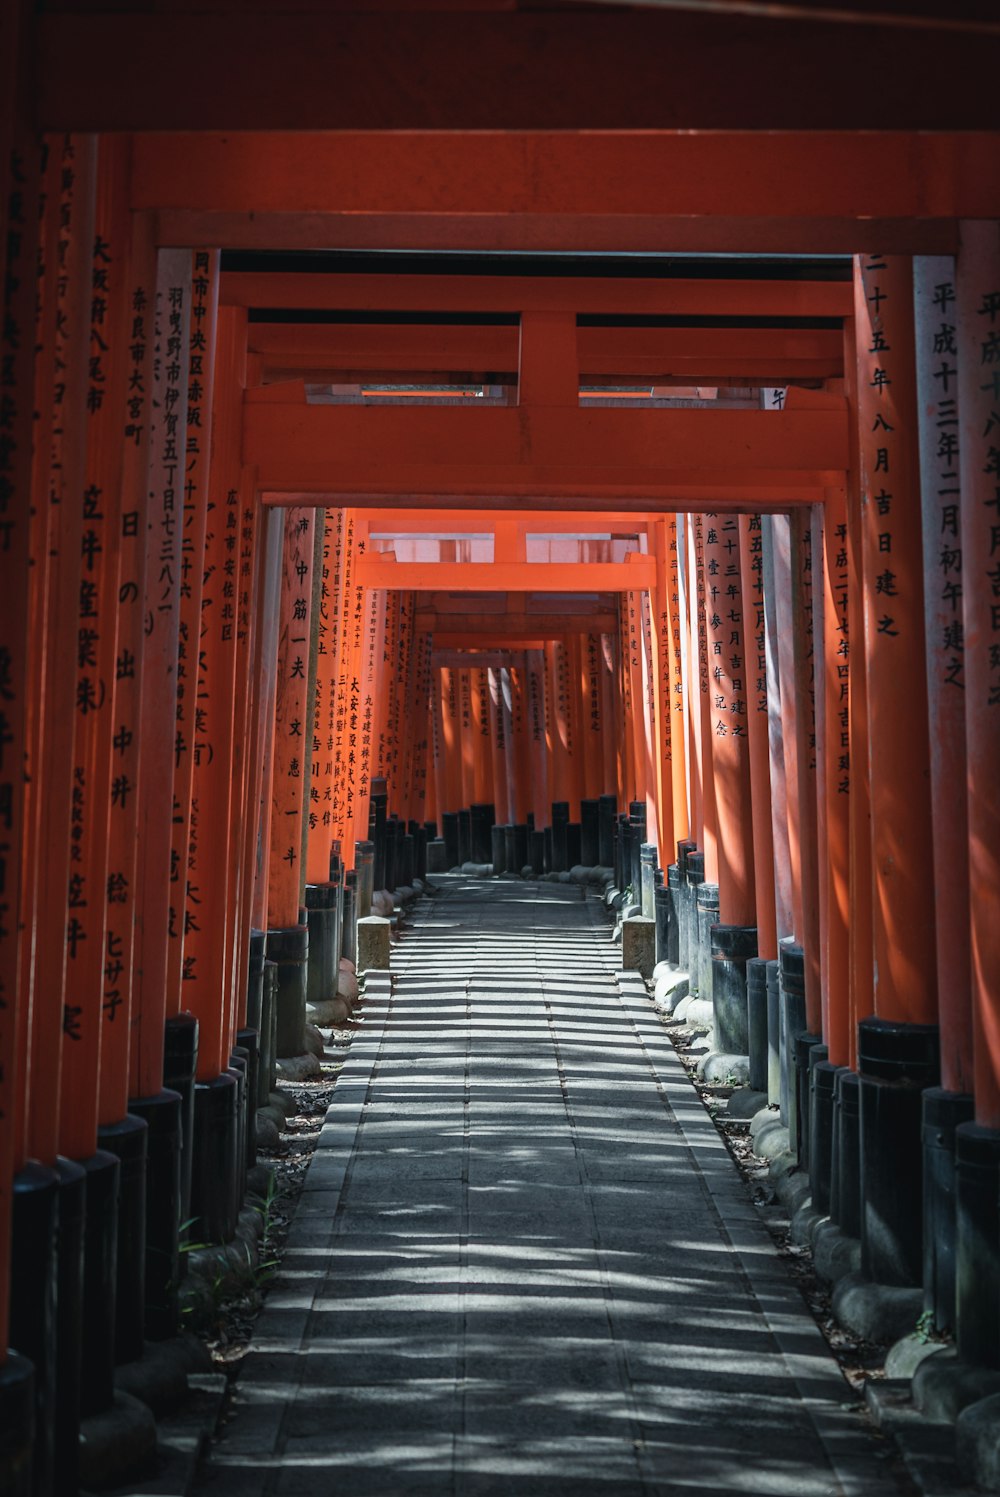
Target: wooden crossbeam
x,y
354,352
549,453
378,570
644,69
642,296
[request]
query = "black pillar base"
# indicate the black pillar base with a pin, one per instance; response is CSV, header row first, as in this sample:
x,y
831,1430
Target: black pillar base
x,y
792,1002
560,822
464,836
349,920
706,915
180,1066
607,812
589,833
482,818
247,1041
127,1140
238,1070
34,1269
449,833
805,1046
977,1263
164,1138
661,914
72,1216
942,1113
324,959
732,947
672,882
17,1426
536,852
822,1089
694,878
268,1036
896,1061
774,1072
521,858
498,848
100,1282
845,1182
215,1159
255,977
288,947
757,1022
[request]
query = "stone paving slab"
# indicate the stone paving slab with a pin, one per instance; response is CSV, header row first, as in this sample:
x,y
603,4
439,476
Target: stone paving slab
x,y
524,1261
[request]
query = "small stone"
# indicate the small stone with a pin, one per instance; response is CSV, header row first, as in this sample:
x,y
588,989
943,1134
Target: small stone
x,y
835,1254
719,1069
286,1104
876,1312
347,986
330,1010
638,945
315,1043
905,1356
746,1103
266,1130
298,1067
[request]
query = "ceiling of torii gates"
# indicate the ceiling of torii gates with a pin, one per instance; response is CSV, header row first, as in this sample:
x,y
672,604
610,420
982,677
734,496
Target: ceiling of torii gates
x,y
547,257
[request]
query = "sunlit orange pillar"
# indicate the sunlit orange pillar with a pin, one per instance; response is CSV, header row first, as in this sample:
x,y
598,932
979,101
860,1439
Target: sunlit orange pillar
x,y
325,701
674,646
752,576
347,706
710,833
287,937
905,987
804,656
538,729
835,787
371,695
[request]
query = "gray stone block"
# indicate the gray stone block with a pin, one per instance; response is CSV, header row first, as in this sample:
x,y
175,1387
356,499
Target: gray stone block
x,y
905,1356
373,944
719,1069
639,945
977,1442
943,1386
876,1312
834,1253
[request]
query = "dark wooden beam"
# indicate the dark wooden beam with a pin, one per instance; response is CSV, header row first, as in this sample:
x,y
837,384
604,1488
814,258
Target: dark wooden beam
x,y
643,69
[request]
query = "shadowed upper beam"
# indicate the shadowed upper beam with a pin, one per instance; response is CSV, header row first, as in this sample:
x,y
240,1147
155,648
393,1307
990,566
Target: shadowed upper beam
x,y
561,70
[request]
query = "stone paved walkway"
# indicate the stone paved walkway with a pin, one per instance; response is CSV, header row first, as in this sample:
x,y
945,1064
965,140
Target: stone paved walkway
x,y
523,1262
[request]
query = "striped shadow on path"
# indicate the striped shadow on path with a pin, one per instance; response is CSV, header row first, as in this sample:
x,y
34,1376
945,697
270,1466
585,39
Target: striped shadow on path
x,y
523,1261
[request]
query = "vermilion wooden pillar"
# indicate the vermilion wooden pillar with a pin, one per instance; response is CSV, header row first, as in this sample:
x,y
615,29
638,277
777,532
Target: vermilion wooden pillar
x,y
168,323
944,584
98,784
752,573
728,691
347,705
861,950
291,740
324,701
674,648
267,626
650,743
978,323
466,741
902,849
538,730
66,464
135,402
20,204
836,783
204,312
703,710
212,862
804,727
371,675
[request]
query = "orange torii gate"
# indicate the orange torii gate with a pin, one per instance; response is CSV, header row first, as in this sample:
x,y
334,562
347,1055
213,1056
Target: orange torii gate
x,y
612,160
